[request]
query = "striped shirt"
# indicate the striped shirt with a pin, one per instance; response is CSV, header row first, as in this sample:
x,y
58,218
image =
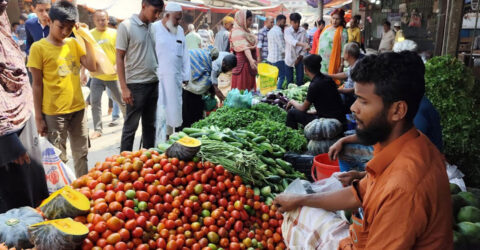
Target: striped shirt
x,y
276,45
263,42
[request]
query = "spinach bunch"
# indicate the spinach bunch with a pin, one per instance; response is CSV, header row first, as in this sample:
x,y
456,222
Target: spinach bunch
x,y
278,133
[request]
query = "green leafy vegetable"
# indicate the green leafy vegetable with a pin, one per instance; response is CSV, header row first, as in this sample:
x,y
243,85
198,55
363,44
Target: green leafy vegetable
x,y
279,133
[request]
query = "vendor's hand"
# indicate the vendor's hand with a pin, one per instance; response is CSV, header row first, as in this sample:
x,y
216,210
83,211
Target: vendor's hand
x,y
335,149
286,202
347,178
22,159
127,96
289,105
41,126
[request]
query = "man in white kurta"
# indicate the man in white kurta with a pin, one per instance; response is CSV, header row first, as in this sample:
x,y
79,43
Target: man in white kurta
x,y
173,70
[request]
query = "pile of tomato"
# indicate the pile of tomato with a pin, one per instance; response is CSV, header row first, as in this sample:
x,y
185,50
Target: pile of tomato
x,y
144,200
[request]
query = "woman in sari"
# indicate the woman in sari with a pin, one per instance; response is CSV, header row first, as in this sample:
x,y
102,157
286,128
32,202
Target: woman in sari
x,y
22,178
244,45
331,43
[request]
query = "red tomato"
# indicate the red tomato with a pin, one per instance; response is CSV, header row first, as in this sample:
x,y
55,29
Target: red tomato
x,y
238,227
137,232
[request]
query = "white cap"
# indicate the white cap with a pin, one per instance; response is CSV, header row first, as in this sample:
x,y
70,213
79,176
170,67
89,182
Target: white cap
x,y
173,7
397,24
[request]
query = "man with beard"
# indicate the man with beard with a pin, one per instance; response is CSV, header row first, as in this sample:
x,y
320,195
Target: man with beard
x,y
403,202
136,65
173,70
206,66
276,45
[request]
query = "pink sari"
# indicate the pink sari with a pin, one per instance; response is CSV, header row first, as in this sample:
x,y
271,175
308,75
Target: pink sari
x,y
243,76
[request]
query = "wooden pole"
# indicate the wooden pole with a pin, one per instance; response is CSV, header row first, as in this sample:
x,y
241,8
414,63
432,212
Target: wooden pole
x,y
320,8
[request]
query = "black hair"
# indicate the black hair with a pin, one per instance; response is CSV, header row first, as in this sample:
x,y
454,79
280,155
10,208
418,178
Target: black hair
x,y
13,25
230,61
112,21
395,78
321,22
23,17
387,23
305,25
357,17
35,2
249,14
312,63
155,3
63,11
204,26
281,17
295,17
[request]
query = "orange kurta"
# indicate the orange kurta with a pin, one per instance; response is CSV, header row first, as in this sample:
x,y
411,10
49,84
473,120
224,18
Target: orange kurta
x,y
405,198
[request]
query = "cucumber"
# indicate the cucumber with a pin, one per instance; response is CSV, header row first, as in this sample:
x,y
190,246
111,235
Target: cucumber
x,y
273,178
182,134
266,147
267,160
284,183
236,144
215,136
227,138
284,164
277,154
241,135
175,137
248,133
198,135
281,172
259,139
163,146
190,131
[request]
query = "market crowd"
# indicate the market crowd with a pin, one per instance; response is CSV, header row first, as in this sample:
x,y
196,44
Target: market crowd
x,y
162,76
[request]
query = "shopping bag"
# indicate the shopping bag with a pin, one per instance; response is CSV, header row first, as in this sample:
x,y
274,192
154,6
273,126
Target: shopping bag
x,y
104,66
313,228
267,78
56,173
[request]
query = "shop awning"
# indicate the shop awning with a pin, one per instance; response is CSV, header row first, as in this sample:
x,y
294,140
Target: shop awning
x,y
337,3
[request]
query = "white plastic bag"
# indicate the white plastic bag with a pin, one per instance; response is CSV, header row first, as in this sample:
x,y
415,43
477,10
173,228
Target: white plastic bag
x,y
455,176
313,228
56,173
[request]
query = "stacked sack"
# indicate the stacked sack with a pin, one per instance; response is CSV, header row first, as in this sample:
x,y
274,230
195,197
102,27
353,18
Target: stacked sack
x,y
322,133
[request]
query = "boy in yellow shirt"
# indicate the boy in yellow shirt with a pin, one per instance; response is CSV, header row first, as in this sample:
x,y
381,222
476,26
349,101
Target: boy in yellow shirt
x,y
55,63
106,38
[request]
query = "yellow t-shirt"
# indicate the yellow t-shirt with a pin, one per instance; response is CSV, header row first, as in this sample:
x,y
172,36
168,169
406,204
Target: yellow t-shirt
x,y
60,65
106,40
354,35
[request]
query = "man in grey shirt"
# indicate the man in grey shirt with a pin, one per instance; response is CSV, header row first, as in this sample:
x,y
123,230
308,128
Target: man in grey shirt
x,y
136,68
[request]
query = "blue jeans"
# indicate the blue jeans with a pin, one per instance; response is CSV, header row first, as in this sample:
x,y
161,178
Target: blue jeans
x,y
298,73
116,109
355,157
281,73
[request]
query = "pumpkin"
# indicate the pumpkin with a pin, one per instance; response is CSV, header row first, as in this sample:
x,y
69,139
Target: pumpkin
x,y
323,128
184,148
61,234
65,202
14,226
319,147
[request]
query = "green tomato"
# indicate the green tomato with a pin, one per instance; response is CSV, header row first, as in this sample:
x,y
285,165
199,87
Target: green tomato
x,y
135,202
205,213
193,198
142,205
198,189
130,194
212,246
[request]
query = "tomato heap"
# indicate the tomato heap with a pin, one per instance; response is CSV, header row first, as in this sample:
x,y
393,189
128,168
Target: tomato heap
x,y
144,200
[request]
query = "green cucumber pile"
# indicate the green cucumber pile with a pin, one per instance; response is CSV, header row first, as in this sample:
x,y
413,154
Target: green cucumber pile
x,y
244,153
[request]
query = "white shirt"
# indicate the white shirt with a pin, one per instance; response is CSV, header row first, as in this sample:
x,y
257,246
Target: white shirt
x,y
292,52
276,45
388,39
173,69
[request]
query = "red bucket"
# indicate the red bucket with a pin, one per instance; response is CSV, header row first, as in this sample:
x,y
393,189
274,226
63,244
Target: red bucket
x,y
323,167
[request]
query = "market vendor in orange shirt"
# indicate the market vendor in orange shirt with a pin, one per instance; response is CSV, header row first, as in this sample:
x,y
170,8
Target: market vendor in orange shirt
x,y
404,200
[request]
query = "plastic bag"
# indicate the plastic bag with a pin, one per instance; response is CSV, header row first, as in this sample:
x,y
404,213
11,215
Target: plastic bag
x,y
455,176
210,102
56,173
237,99
313,228
104,65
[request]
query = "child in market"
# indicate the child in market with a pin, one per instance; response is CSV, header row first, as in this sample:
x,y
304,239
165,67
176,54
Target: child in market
x,y
55,63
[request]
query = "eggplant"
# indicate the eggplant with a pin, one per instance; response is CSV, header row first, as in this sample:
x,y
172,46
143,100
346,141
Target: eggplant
x,y
279,94
271,96
276,102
